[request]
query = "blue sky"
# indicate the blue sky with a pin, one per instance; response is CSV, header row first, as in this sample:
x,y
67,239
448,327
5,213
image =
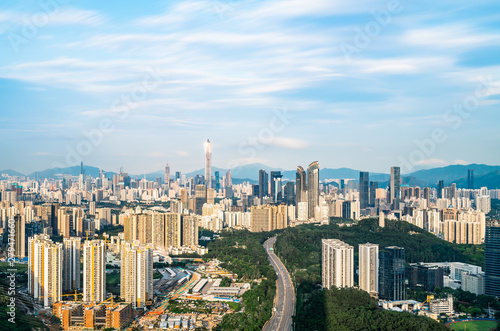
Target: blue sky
x,y
362,84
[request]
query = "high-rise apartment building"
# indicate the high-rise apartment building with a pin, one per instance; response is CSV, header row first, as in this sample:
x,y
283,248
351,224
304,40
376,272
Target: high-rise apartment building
x,y
368,268
268,218
71,263
44,270
190,230
392,273
492,259
337,263
364,194
19,236
136,274
312,188
173,228
208,164
94,271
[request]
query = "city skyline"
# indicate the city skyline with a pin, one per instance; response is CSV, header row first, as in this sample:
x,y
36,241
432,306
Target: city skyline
x,y
274,82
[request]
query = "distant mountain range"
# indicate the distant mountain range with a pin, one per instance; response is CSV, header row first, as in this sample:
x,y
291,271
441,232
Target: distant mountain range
x,y
484,175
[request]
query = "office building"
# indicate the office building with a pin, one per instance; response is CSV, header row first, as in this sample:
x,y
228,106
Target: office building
x,y
94,271
167,175
368,268
373,193
208,164
312,188
392,273
337,263
300,185
364,194
492,259
44,270
289,194
263,184
425,277
470,179
395,188
71,263
440,187
276,186
136,274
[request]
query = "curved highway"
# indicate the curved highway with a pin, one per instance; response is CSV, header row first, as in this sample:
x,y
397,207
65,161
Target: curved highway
x,y
284,301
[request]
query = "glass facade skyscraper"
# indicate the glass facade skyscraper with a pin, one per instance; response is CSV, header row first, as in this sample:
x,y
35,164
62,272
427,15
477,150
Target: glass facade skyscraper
x,y
364,182
392,273
492,259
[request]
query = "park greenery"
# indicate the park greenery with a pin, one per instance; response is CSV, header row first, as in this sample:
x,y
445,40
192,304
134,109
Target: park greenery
x,y
242,253
353,309
300,250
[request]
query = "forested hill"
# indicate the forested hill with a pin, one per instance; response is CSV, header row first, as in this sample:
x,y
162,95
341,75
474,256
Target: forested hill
x,y
301,246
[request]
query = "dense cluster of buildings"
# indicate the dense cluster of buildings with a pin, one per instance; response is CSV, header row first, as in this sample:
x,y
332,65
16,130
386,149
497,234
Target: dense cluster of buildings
x,y
56,221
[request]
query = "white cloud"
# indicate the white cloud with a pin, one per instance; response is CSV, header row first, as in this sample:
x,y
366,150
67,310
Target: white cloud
x,y
290,143
182,153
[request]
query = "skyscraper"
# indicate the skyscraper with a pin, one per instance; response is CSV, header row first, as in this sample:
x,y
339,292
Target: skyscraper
x,y
364,181
136,274
300,185
392,273
470,179
71,263
289,193
217,181
440,187
313,187
44,270
263,184
208,164
19,244
337,263
368,268
395,186
94,271
190,230
173,230
167,174
276,186
373,193
492,259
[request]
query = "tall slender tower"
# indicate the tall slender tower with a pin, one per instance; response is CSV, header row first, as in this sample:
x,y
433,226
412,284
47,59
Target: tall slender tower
x,y
94,271
364,195
312,187
395,186
167,174
208,164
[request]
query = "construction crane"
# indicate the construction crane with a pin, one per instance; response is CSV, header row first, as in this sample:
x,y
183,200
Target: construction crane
x,y
110,298
429,299
76,294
